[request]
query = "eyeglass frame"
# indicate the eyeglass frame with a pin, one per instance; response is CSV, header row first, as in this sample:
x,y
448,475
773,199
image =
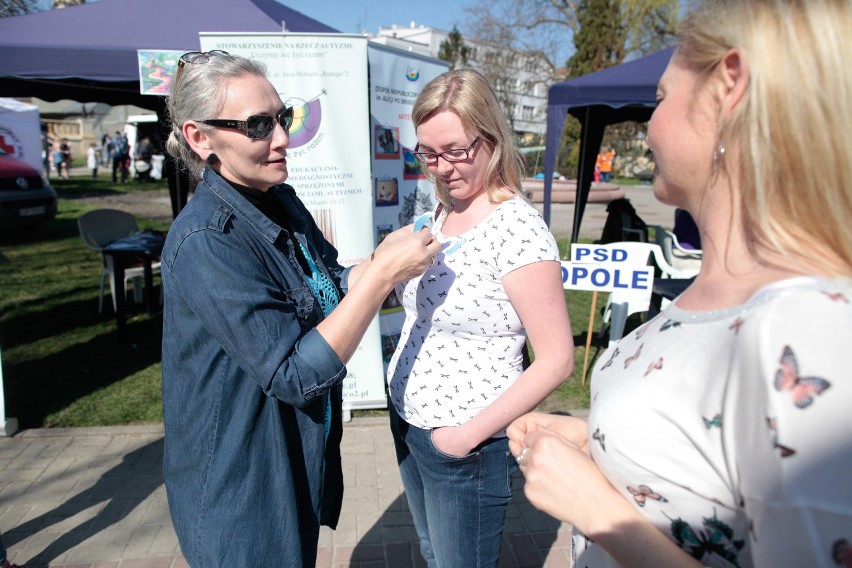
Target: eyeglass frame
x,y
243,125
184,59
436,155
195,57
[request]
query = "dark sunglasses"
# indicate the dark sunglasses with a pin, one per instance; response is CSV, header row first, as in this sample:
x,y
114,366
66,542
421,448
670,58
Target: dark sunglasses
x,y
256,127
201,56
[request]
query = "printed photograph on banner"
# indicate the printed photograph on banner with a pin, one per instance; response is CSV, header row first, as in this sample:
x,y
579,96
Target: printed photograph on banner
x,y
156,70
391,303
386,142
389,346
412,168
387,191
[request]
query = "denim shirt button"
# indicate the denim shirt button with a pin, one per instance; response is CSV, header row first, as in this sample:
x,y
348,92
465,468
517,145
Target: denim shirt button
x,y
310,395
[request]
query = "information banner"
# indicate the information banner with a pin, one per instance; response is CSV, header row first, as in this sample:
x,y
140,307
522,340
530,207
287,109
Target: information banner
x,y
401,191
324,78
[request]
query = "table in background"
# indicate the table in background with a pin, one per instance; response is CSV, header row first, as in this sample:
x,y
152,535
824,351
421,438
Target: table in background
x,y
144,247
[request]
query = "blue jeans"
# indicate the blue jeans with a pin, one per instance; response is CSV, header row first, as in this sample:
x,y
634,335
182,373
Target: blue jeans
x,y
458,504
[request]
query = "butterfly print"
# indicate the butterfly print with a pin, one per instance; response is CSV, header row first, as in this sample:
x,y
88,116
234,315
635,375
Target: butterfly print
x,y
655,365
738,323
716,421
615,353
600,438
786,452
668,324
716,539
837,297
629,361
802,389
841,552
642,493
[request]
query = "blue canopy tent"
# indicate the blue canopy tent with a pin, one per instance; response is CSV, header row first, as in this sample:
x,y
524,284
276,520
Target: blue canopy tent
x,y
87,53
616,94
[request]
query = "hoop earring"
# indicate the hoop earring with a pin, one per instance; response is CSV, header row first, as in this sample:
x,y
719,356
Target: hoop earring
x,y
212,159
718,158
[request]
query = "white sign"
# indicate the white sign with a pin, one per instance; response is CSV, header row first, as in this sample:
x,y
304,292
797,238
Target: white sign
x,y
607,268
401,191
20,131
324,78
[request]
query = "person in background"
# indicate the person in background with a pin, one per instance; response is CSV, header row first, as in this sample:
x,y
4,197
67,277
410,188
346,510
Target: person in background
x,y
120,157
604,162
719,432
457,378
92,159
59,163
256,328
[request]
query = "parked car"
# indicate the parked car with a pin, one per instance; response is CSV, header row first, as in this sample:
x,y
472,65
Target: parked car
x,y
26,197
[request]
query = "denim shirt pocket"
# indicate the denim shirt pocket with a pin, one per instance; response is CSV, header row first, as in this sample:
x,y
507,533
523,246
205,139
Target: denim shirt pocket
x,y
303,301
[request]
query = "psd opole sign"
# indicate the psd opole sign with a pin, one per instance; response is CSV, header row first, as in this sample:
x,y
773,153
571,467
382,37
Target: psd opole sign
x,y
607,268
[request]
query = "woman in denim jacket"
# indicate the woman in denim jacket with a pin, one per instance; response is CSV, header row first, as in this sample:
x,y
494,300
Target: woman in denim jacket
x,y
256,328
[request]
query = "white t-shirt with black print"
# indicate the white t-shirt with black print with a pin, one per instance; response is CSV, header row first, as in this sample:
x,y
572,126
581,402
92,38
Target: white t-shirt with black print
x,y
461,342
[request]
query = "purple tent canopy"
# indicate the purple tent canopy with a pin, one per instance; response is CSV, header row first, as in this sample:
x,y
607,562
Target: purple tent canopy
x,y
616,94
88,53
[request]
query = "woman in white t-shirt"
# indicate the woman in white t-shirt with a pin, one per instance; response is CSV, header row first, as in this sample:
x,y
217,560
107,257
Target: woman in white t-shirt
x,y
720,432
456,380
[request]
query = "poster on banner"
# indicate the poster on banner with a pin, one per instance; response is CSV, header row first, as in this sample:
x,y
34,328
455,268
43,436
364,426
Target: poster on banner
x,y
324,78
400,188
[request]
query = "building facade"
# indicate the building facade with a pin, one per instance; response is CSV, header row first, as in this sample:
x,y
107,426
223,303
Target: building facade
x,y
520,80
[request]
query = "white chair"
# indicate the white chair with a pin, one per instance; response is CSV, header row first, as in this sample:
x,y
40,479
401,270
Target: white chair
x,y
100,227
683,260
623,303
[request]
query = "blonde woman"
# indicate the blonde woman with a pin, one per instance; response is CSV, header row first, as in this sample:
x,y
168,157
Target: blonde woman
x,y
456,378
720,432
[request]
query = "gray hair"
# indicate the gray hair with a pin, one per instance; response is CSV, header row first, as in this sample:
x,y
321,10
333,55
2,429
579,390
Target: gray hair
x,y
196,94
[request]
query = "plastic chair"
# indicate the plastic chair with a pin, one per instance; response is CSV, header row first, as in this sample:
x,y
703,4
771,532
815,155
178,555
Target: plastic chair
x,y
100,227
622,303
685,261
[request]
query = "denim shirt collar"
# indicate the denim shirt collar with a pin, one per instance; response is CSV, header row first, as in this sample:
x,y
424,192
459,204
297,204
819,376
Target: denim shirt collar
x,y
247,210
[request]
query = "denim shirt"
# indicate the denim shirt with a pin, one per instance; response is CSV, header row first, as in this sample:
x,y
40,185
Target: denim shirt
x,y
247,380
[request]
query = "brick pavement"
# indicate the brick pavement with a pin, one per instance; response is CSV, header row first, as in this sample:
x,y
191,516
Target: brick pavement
x,y
94,498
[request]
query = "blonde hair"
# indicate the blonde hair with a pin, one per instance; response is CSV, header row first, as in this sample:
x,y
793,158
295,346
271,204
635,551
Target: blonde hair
x,y
791,128
197,94
467,94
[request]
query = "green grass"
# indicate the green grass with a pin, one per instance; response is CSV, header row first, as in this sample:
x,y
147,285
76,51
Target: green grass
x,y
64,365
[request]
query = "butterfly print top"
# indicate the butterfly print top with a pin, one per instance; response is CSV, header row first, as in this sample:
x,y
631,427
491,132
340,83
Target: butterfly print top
x,y
460,345
731,430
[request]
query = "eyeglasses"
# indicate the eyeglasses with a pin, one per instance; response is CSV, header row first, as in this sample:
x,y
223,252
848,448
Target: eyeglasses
x,y
454,155
256,127
200,56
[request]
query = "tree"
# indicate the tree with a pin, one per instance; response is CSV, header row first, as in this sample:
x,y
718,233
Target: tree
x,y
600,40
454,50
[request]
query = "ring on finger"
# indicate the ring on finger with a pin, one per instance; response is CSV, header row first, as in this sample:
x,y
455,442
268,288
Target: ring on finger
x,y
520,456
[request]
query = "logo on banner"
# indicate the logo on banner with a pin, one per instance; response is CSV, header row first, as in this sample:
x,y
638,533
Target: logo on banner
x,y
10,143
307,116
412,74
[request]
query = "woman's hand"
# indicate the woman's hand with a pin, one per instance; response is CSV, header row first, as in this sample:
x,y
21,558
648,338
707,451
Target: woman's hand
x,y
573,429
450,441
404,254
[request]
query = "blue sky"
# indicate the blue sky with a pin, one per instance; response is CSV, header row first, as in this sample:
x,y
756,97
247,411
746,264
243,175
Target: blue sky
x,y
356,16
